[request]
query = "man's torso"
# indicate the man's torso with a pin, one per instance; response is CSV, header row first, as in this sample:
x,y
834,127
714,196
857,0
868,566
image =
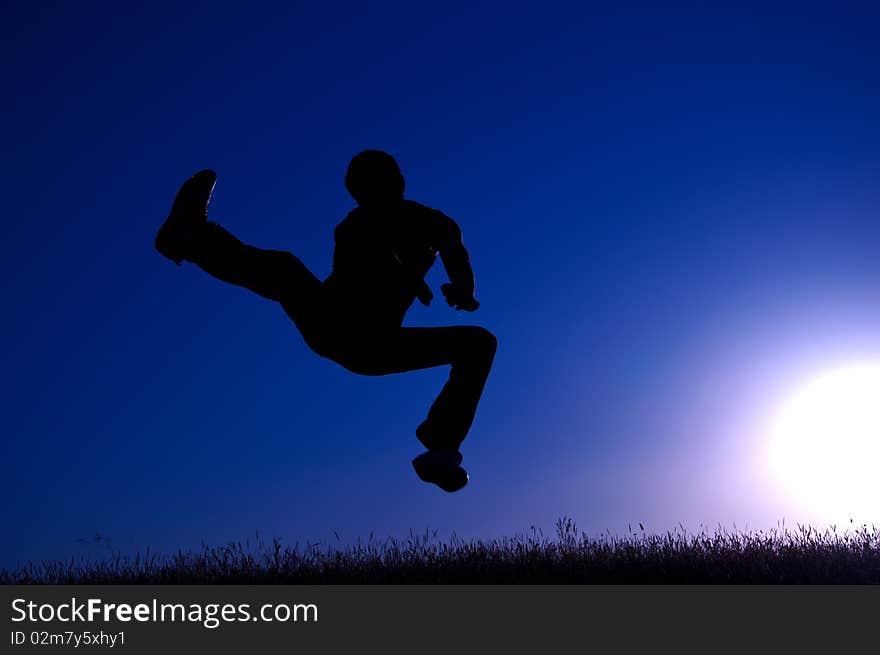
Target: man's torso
x,y
381,259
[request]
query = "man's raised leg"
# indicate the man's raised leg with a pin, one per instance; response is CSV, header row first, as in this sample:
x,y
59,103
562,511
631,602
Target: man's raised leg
x,y
273,274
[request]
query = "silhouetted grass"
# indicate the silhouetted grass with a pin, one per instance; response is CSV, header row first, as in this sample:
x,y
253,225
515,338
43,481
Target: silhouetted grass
x,y
802,556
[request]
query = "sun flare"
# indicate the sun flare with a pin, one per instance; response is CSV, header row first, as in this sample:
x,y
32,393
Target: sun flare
x,y
825,445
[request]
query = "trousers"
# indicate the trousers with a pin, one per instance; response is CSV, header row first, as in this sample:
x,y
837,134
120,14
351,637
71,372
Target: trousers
x,y
361,347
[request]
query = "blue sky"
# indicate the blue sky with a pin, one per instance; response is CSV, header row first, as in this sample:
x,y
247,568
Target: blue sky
x,y
671,213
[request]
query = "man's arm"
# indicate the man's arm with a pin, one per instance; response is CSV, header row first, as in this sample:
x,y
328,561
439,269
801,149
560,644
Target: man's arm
x,y
460,290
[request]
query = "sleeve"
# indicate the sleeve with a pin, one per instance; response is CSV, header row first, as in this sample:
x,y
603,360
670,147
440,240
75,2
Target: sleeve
x,y
454,255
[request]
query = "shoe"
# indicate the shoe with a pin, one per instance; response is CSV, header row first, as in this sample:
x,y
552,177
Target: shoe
x,y
442,468
189,211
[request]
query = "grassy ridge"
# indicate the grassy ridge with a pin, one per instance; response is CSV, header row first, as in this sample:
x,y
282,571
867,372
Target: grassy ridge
x,y
802,556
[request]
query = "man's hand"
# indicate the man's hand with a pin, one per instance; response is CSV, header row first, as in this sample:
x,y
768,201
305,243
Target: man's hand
x,y
458,299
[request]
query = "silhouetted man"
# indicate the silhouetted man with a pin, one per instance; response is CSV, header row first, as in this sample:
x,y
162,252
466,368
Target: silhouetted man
x,y
384,248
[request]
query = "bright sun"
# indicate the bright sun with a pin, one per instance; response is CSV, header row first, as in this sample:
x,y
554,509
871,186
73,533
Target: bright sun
x,y
825,445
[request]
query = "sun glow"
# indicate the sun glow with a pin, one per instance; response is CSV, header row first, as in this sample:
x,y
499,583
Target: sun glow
x,y
825,445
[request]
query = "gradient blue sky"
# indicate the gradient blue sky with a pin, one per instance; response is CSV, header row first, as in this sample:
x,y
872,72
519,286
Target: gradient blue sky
x,y
671,212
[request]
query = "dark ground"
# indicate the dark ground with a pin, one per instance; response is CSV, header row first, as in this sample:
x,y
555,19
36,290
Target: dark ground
x,y
801,556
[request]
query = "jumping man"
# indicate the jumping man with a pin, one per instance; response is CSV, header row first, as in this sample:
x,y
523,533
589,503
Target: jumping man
x,y
384,248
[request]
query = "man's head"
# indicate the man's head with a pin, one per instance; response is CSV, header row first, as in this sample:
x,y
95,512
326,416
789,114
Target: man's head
x,y
374,179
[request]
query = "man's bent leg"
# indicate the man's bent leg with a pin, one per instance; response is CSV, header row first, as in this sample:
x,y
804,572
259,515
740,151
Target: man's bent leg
x,y
470,351
452,413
